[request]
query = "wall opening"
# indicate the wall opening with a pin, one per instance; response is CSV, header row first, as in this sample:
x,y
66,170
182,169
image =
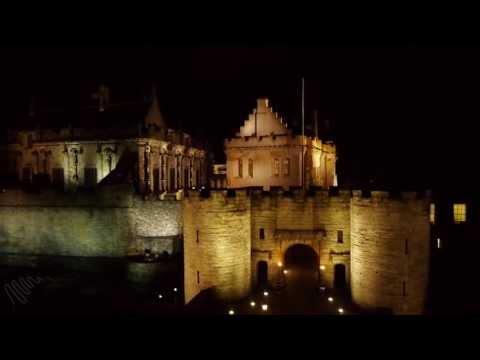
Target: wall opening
x,y
301,256
262,273
339,280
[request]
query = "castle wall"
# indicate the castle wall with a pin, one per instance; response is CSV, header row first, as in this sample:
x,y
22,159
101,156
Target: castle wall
x,y
221,258
390,252
301,219
112,222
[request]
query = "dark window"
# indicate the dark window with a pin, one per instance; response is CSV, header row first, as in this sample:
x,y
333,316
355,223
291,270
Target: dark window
x,y
27,175
90,177
58,177
198,240
406,246
262,234
404,289
198,277
156,179
340,236
29,141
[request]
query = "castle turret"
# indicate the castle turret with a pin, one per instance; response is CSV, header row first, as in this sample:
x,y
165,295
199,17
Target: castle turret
x,y
390,247
217,248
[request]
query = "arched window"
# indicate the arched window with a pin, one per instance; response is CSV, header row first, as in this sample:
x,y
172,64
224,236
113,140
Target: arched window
x,y
286,167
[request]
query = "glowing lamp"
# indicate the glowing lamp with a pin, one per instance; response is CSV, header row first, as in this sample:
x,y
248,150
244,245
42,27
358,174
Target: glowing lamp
x,y
340,310
175,289
279,264
160,296
252,304
322,267
265,293
264,307
285,271
330,299
231,312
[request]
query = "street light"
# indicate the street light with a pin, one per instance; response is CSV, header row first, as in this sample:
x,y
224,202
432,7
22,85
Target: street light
x,y
264,307
322,267
252,304
265,293
340,310
330,299
160,296
231,312
285,271
279,264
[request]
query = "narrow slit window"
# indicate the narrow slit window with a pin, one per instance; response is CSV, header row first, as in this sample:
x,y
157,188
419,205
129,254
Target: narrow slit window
x,y
198,238
276,167
240,168
198,277
340,236
262,234
432,213
250,167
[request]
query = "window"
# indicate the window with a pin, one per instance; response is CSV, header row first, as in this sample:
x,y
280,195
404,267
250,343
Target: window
x,y
58,177
340,236
406,246
250,167
198,277
90,177
198,240
262,234
286,167
432,213
459,213
404,289
240,168
276,167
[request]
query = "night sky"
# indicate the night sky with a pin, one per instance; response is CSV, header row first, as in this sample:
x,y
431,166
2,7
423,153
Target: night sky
x,y
401,117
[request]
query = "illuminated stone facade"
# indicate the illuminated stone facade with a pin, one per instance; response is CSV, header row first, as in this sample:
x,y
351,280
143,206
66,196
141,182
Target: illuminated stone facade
x,y
265,153
156,158
382,241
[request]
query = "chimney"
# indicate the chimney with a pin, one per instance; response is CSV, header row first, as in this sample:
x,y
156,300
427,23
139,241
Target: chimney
x,y
262,105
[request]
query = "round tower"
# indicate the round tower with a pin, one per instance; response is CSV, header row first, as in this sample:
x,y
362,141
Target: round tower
x,y
390,247
217,247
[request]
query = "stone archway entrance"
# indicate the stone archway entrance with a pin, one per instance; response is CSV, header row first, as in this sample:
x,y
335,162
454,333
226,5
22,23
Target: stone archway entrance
x,y
301,265
301,256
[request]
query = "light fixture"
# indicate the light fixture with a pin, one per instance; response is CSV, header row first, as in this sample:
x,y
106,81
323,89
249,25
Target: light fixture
x,y
175,289
285,271
340,310
252,303
160,296
231,312
330,299
265,293
279,264
438,243
264,307
322,267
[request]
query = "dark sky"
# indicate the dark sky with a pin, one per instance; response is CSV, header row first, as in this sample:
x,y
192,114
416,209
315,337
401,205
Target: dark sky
x,y
404,116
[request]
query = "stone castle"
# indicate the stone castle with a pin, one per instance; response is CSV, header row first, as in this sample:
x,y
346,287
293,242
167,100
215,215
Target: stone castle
x,y
149,195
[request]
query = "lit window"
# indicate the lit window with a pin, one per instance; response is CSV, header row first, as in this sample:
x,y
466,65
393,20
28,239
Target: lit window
x,y
276,167
250,167
286,167
240,168
459,213
262,234
432,213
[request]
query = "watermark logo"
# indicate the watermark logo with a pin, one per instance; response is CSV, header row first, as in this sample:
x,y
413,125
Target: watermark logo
x,y
19,290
